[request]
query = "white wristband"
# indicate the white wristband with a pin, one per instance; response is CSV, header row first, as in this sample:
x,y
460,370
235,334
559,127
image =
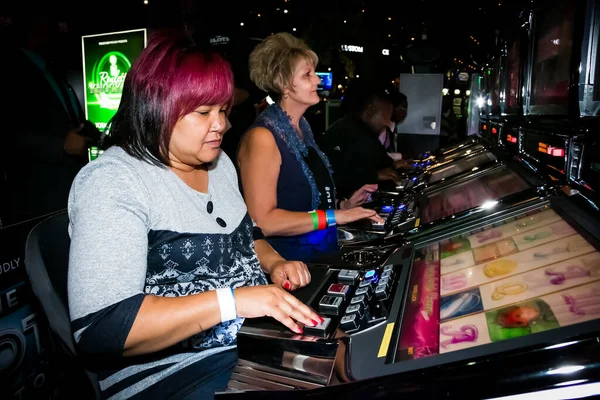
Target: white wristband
x,y
226,304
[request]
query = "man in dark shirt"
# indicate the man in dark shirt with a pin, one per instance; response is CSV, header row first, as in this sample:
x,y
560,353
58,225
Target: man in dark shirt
x,y
44,136
352,145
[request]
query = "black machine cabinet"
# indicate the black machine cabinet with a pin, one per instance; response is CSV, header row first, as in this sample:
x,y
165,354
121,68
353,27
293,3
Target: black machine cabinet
x,y
424,172
584,164
484,279
462,306
456,199
527,278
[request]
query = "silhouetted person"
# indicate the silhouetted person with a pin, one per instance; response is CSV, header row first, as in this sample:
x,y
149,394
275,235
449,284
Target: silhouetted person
x,y
352,142
449,124
387,137
45,136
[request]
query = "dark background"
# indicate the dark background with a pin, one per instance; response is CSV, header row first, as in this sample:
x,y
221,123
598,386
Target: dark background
x,y
446,37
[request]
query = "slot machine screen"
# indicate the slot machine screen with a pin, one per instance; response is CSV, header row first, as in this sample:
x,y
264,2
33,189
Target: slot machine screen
x,y
461,166
473,193
460,153
504,281
597,73
553,43
513,77
496,88
590,166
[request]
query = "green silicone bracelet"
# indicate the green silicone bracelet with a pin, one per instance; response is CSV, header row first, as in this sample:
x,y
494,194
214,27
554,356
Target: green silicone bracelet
x,y
315,219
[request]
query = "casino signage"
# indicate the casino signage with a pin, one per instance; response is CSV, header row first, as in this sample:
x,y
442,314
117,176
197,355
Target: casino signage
x,y
219,40
107,58
352,48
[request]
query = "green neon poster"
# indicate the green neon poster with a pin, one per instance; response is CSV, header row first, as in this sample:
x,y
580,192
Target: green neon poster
x,y
107,58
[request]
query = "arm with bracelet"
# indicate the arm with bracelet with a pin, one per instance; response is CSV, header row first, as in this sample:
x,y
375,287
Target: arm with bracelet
x,y
120,318
322,219
259,161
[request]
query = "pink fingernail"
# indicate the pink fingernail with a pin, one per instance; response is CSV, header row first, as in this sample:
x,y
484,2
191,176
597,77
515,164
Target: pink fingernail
x,y
315,323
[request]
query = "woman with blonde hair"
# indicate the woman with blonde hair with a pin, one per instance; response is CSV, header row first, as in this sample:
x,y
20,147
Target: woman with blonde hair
x,y
286,180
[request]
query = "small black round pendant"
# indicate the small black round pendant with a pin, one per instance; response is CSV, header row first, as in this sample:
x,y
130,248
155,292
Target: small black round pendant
x,y
209,207
221,222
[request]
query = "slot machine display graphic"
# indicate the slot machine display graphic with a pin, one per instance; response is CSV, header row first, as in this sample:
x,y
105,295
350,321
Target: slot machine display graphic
x,y
528,274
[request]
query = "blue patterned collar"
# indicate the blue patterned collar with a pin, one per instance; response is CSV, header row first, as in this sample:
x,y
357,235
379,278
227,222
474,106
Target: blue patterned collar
x,y
279,123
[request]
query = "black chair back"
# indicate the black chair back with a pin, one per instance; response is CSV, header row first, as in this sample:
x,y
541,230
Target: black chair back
x,y
47,263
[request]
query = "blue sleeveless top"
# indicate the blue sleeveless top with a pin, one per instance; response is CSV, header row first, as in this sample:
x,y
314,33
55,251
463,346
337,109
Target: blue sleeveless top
x,y
304,184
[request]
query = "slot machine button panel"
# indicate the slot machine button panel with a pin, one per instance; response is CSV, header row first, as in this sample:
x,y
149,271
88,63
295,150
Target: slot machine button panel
x,y
330,305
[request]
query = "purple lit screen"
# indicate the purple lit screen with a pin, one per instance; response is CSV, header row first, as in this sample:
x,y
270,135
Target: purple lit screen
x,y
473,193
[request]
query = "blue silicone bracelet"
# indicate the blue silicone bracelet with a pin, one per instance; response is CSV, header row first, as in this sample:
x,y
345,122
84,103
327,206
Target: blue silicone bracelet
x,y
330,215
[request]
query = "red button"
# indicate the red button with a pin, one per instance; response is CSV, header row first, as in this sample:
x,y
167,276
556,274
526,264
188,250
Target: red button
x,y
337,289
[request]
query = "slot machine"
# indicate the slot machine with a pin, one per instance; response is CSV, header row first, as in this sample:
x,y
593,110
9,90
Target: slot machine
x,y
518,287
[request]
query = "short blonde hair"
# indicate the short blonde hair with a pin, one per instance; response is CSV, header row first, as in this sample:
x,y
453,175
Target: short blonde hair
x,y
272,62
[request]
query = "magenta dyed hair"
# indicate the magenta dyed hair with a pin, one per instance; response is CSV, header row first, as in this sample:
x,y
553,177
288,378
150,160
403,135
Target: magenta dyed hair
x,y
171,78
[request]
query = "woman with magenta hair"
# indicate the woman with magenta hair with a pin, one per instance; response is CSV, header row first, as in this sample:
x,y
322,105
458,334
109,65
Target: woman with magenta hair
x,y
165,262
